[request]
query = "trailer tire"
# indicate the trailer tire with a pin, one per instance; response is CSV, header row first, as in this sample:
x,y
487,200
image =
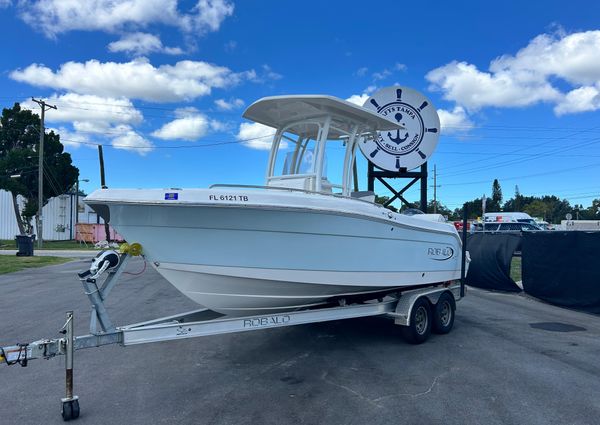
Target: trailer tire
x,y
419,327
443,314
70,410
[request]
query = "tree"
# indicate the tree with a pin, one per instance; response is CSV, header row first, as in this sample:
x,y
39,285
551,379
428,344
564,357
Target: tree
x,y
550,207
19,147
496,202
382,200
592,212
537,208
474,208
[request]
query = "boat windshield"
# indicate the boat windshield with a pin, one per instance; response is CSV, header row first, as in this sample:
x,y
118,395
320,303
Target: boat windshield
x,y
296,163
300,154
296,155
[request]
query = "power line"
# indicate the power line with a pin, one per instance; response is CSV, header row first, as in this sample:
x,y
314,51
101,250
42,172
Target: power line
x,y
579,167
536,145
204,145
517,161
64,104
516,154
44,107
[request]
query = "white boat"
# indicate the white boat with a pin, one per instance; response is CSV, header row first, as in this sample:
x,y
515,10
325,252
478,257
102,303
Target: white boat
x,y
300,240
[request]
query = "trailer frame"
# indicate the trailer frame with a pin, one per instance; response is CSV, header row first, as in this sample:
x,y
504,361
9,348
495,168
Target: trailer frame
x,y
203,322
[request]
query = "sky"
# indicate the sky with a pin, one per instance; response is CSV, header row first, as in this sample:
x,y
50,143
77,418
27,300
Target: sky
x,y
162,84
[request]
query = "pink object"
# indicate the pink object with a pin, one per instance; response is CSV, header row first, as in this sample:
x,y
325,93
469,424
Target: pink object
x,y
92,233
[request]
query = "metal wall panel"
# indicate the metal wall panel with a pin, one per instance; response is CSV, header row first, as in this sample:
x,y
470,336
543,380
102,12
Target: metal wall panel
x,y
58,214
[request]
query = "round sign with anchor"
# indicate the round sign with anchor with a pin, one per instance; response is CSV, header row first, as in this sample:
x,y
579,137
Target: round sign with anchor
x,y
410,146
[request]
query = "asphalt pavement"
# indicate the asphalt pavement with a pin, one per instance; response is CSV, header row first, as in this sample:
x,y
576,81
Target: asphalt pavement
x,y
509,360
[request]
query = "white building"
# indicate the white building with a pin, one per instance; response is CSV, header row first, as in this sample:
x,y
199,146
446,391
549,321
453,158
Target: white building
x,y
58,215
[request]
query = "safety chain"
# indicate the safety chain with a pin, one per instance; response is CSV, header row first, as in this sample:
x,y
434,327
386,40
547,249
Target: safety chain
x,y
21,358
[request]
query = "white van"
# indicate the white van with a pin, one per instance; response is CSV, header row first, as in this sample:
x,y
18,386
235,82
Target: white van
x,y
508,217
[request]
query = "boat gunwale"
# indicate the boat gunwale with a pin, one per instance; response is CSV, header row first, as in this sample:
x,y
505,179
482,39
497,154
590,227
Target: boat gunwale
x,y
387,221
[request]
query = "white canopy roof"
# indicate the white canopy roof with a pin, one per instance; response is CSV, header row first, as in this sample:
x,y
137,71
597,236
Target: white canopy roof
x,y
280,111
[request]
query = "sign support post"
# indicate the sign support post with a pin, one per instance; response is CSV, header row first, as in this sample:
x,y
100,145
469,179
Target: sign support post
x,y
414,176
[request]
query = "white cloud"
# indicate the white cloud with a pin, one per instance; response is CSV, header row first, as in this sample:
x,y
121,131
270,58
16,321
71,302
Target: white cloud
x,y
210,14
361,72
131,141
382,75
94,120
121,137
529,76
269,74
189,125
358,99
572,57
455,121
5,3
94,117
257,136
140,44
188,128
264,75
137,79
465,84
582,99
70,138
54,17
98,127
229,105
72,107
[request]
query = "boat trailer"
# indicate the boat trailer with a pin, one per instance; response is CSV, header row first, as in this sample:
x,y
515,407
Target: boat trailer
x,y
417,310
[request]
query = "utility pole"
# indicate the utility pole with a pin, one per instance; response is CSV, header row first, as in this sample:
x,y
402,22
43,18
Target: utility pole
x,y
483,202
77,203
44,106
435,186
103,186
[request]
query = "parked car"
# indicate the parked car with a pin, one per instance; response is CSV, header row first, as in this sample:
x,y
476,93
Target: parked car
x,y
505,227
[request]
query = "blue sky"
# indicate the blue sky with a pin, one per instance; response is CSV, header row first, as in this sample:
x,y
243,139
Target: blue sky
x,y
162,84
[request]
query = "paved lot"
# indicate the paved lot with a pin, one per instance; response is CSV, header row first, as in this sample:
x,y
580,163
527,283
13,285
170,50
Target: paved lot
x,y
494,368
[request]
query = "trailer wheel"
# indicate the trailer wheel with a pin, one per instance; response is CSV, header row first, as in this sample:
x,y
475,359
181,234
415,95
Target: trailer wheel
x,y
443,314
70,410
419,328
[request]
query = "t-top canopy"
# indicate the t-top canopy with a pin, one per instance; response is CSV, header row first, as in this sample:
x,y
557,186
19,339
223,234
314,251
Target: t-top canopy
x,y
281,111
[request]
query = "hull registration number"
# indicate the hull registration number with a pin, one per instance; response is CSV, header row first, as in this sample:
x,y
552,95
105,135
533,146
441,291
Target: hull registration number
x,y
241,198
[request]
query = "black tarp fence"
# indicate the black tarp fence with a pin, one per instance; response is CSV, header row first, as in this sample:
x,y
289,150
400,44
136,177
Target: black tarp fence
x,y
491,255
563,268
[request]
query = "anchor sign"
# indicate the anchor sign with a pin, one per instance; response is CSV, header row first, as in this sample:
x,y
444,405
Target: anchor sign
x,y
397,140
410,146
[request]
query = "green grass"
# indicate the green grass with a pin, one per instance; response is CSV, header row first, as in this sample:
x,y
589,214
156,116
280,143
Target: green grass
x,y
49,245
9,263
515,269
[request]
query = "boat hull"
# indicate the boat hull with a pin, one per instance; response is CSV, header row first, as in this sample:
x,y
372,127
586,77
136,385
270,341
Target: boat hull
x,y
242,291
250,259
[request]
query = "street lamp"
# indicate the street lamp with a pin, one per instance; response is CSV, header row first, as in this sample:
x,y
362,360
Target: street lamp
x,y
77,203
